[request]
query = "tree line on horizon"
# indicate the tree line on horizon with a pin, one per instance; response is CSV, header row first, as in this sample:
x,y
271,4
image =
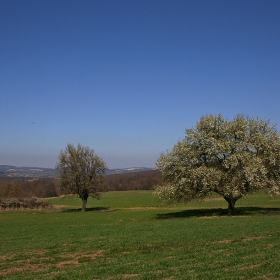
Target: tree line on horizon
x,y
44,188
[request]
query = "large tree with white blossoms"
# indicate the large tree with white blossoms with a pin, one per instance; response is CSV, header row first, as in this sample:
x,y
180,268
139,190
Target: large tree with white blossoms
x,y
229,157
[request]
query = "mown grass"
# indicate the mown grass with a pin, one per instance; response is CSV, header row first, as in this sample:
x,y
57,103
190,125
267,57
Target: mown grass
x,y
130,235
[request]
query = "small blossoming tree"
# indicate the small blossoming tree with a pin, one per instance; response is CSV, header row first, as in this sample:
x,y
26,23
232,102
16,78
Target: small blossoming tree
x,y
81,172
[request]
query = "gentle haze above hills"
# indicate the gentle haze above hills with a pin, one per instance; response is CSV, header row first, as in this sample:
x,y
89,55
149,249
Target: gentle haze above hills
x,y
127,77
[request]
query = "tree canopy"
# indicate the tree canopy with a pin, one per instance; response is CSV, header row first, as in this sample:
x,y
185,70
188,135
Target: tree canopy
x,y
229,157
81,172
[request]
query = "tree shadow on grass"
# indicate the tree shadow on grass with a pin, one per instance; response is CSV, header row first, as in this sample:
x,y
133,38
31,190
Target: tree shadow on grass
x,y
239,211
90,209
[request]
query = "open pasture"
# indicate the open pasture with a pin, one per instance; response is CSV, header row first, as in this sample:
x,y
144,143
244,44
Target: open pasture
x,y
130,235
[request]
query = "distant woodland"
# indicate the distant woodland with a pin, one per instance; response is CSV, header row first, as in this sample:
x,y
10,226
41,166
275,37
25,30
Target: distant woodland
x,y
145,180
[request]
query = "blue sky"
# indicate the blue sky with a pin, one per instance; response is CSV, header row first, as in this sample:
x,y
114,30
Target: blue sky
x,y
126,77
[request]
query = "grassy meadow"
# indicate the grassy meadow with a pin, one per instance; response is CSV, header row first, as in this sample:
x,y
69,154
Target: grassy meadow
x,y
130,235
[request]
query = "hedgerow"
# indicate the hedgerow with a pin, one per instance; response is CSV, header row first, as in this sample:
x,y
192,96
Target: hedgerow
x,y
23,203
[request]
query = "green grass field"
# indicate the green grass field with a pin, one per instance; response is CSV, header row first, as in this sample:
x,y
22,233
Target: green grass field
x,y
130,235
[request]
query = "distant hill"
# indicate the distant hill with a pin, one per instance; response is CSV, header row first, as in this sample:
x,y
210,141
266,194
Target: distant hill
x,y
10,172
128,170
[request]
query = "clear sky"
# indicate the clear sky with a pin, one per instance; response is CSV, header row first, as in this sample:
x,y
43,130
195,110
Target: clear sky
x,y
127,77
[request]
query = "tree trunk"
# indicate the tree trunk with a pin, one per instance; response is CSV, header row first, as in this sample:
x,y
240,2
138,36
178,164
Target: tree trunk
x,y
231,209
84,199
231,204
